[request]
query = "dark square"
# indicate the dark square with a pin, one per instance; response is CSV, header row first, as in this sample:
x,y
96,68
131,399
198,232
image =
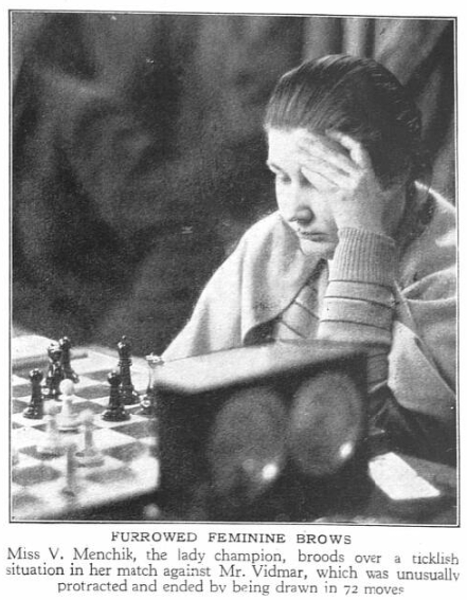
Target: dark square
x,y
137,430
94,391
94,407
36,474
23,499
17,406
101,375
123,473
32,451
21,390
127,452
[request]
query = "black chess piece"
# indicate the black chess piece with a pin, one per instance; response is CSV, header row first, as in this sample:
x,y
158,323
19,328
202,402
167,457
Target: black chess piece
x,y
116,409
35,409
55,372
130,396
68,372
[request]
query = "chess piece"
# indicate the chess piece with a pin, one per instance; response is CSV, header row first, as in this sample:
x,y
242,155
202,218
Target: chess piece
x,y
35,409
148,400
90,456
68,372
130,396
51,446
67,420
116,409
71,487
55,372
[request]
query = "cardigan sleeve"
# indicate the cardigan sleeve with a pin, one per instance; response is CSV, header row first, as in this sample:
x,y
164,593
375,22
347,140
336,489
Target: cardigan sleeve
x,y
359,301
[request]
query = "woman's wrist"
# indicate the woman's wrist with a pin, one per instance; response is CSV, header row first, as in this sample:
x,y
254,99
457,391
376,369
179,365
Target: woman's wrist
x,y
365,256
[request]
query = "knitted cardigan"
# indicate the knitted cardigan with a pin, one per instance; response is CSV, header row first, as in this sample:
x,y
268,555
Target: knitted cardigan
x,y
416,319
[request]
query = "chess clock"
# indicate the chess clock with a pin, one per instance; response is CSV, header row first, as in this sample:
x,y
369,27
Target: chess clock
x,y
273,432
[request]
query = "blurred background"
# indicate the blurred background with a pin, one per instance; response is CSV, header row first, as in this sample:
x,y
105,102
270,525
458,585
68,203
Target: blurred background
x,y
138,155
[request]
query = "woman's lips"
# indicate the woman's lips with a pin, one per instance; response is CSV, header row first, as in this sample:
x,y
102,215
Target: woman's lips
x,y
315,236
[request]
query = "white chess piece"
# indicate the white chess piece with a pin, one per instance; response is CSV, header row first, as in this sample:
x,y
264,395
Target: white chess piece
x,y
67,420
71,487
90,456
51,445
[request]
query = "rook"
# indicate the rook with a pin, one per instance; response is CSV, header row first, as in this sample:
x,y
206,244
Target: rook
x,y
116,409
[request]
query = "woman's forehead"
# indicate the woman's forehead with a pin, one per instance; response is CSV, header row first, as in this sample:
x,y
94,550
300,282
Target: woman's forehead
x,y
278,138
283,147
285,144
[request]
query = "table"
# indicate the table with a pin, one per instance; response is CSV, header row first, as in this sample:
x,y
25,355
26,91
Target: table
x,y
404,489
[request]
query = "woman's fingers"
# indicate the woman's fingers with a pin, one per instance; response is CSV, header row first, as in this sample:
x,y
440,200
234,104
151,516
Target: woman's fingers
x,y
356,151
327,150
320,178
328,170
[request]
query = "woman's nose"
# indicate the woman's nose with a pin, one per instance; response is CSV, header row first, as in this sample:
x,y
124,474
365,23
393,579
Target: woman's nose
x,y
295,202
301,215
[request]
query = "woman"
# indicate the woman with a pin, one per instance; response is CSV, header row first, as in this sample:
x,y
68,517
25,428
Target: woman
x,y
359,249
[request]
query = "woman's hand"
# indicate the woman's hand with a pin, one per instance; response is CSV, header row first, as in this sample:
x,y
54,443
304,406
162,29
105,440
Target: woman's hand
x,y
339,166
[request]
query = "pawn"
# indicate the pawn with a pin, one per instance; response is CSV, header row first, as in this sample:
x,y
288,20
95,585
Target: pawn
x,y
55,372
116,409
68,372
90,456
51,446
35,409
67,420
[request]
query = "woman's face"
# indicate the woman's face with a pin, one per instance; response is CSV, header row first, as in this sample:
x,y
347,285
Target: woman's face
x,y
305,209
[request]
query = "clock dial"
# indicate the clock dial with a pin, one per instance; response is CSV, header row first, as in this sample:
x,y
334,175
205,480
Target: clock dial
x,y
325,424
247,449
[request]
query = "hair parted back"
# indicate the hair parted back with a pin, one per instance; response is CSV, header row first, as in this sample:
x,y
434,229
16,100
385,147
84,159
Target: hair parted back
x,y
359,97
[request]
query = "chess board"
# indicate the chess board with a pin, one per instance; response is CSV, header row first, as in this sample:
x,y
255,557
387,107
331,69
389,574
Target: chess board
x,y
127,481
38,482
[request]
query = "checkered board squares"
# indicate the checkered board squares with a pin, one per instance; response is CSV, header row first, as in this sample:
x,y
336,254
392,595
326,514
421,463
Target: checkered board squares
x,y
130,466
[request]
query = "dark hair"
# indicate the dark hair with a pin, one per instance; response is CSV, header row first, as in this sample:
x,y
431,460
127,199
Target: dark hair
x,y
358,97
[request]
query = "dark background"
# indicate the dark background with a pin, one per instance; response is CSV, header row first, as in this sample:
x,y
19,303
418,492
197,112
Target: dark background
x,y
138,152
